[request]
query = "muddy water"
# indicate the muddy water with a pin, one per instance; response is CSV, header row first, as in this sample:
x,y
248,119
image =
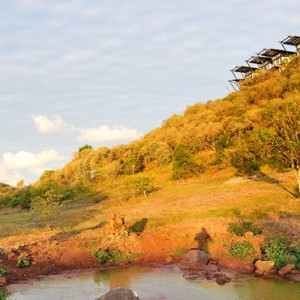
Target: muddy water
x,y
152,283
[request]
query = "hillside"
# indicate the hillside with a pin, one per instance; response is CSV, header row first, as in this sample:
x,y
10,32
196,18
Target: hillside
x,y
225,168
258,125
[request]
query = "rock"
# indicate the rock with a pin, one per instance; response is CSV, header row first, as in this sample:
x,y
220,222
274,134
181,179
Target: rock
x,y
194,259
248,234
258,273
11,256
222,279
169,260
264,265
120,294
210,269
2,281
286,269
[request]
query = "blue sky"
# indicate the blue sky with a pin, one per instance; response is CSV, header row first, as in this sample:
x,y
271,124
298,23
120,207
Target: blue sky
x,y
106,72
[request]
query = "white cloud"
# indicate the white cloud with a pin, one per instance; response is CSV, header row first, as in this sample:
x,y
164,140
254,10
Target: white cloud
x,y
46,125
104,133
24,160
26,165
9,177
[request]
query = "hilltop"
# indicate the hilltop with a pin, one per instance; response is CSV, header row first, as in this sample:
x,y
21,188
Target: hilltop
x,y
226,167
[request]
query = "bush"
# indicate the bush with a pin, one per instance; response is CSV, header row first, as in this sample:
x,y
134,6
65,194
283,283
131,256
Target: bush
x,y
138,226
276,250
105,256
3,270
184,165
241,250
241,228
23,261
3,295
296,253
138,184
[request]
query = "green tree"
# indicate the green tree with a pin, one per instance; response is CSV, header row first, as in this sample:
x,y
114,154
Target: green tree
x,y
184,165
138,184
85,147
47,206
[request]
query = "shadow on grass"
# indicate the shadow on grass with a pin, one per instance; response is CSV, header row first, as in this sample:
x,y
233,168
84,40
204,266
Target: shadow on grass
x,y
271,180
66,235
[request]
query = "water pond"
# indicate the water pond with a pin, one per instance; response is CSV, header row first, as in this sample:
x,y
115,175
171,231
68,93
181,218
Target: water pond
x,y
152,282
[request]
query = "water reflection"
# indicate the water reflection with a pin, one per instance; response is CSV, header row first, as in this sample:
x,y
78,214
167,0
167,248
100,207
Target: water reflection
x,y
152,283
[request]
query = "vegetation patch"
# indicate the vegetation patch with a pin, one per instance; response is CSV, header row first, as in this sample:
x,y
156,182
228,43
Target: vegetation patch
x,y
3,270
240,228
276,249
23,261
107,256
3,295
242,250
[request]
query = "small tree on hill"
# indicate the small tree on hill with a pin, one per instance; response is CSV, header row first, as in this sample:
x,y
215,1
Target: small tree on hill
x,y
47,206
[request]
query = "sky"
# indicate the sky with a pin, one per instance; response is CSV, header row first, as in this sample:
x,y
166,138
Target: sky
x,y
107,72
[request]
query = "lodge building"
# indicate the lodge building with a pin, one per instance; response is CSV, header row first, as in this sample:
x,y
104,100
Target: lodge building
x,y
266,59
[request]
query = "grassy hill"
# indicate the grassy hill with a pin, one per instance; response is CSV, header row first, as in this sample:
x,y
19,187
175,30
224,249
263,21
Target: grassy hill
x,y
229,161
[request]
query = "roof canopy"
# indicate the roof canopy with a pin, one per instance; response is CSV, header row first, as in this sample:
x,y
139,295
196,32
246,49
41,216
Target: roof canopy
x,y
273,52
291,40
259,60
243,69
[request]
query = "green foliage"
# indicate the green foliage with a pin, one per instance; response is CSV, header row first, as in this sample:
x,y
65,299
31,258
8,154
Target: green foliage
x,y
47,206
3,270
85,147
161,153
105,256
296,253
241,250
3,295
138,226
241,227
23,261
133,256
276,249
138,184
184,165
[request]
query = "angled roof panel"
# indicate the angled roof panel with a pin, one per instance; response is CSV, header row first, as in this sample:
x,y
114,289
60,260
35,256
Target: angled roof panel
x,y
273,52
259,59
243,69
291,40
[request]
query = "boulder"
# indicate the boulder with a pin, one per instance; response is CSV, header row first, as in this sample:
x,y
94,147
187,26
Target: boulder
x,y
264,265
120,294
194,259
2,281
286,269
222,279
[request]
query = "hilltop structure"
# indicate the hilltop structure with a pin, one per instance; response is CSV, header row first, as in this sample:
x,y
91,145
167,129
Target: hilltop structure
x,y
266,59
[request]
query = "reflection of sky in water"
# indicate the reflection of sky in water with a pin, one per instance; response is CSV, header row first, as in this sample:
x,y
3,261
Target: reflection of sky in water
x,y
152,283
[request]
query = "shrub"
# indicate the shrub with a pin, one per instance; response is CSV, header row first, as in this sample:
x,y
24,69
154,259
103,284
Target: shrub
x,y
104,256
23,261
296,253
47,206
276,250
3,270
3,295
138,184
242,227
138,226
241,250
184,165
